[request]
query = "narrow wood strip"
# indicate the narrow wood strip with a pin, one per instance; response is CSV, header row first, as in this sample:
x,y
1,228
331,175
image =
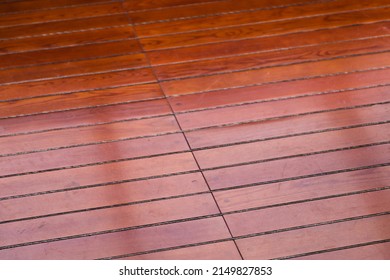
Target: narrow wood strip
x,y
76,68
73,101
267,92
265,29
74,84
61,14
285,147
204,9
85,117
99,174
283,57
264,44
92,154
369,252
280,108
107,219
121,243
215,251
253,16
303,189
296,167
307,213
288,126
134,5
24,6
87,135
67,54
70,25
275,74
314,239
103,196
66,40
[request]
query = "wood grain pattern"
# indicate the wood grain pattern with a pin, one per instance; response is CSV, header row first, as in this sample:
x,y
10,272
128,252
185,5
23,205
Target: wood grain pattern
x,y
120,243
216,251
287,107
97,174
265,29
296,167
302,189
254,16
314,239
370,252
107,219
133,5
77,100
274,74
264,44
288,126
307,213
103,196
282,90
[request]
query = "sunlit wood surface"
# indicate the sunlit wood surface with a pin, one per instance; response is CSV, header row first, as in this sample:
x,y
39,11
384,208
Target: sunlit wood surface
x,y
194,129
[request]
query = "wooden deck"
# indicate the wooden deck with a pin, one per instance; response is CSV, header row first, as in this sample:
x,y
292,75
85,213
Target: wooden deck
x,y
194,129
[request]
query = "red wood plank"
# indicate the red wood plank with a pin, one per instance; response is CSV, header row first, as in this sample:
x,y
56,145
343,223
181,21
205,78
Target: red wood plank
x,y
203,9
296,167
134,5
275,58
379,251
92,154
76,101
314,239
303,189
265,29
60,14
74,84
280,108
291,146
107,219
255,16
69,54
66,39
83,117
90,134
264,44
97,174
131,192
120,243
287,126
72,25
275,74
314,212
215,251
23,6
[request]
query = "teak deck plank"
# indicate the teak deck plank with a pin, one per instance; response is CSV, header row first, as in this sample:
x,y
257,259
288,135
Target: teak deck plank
x,y
310,188
103,196
313,239
122,243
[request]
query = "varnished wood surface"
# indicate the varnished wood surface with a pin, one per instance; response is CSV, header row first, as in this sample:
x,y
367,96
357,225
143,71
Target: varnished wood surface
x,y
181,129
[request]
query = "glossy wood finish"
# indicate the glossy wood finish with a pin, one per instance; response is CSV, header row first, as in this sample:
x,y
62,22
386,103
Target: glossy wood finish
x,y
182,129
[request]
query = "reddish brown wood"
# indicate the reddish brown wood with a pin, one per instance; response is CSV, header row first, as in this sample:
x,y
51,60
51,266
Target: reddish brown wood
x,y
287,126
120,243
308,213
260,173
134,5
98,174
303,189
286,107
78,100
314,239
370,252
104,196
215,251
275,74
264,44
